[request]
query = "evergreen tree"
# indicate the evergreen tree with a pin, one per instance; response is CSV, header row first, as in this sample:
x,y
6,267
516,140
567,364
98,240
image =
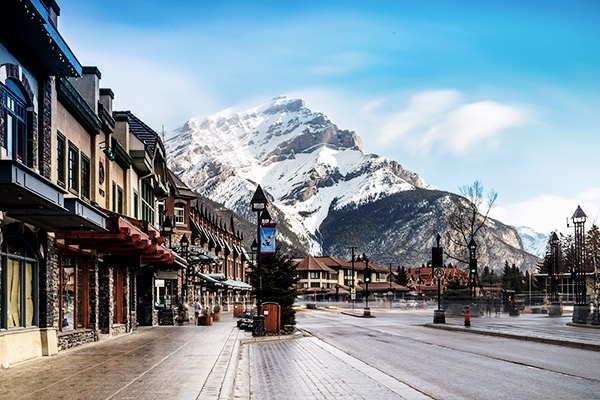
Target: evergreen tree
x,y
402,277
456,291
279,277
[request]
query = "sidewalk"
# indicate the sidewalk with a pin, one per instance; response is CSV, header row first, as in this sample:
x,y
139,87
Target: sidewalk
x,y
177,362
532,327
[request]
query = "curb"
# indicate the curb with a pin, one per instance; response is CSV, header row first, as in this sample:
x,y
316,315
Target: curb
x,y
274,338
557,342
357,315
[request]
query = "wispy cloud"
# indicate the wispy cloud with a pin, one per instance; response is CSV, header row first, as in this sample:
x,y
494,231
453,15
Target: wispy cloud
x,y
546,213
440,118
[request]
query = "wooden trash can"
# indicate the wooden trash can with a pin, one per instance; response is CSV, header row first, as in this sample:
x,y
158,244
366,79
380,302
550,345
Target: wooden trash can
x,y
238,308
272,314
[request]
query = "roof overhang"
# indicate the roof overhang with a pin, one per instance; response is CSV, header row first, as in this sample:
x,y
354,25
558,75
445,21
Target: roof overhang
x,y
141,160
29,33
23,189
78,216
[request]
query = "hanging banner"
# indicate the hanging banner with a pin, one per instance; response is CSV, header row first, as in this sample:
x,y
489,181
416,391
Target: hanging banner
x,y
267,238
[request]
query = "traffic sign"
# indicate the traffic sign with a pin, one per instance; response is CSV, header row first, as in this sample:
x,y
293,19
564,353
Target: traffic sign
x,y
439,273
353,291
353,296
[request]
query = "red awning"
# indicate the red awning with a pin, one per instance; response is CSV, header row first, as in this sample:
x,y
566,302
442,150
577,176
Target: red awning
x,y
125,236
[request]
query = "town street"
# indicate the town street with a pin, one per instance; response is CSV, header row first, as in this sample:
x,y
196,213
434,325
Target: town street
x,y
457,365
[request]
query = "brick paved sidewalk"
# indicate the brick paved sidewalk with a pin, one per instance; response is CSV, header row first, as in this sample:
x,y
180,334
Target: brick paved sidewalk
x,y
174,362
308,368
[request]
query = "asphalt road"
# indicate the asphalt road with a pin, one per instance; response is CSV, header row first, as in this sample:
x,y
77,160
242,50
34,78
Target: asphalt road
x,y
455,365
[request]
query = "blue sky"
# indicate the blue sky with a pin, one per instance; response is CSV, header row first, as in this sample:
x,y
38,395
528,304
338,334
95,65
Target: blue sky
x,y
507,93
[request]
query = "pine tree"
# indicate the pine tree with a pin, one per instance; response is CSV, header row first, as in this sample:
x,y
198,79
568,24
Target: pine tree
x,y
279,277
402,277
456,291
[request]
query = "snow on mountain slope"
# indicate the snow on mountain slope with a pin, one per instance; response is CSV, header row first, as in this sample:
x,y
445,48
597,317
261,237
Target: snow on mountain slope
x,y
533,241
301,159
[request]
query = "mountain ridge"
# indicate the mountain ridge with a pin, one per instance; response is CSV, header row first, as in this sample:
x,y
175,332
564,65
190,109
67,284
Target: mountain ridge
x,y
310,170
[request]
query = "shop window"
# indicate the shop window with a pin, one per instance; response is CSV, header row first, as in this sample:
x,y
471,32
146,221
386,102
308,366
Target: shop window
x,y
61,143
73,168
18,290
85,177
74,294
180,213
15,120
118,296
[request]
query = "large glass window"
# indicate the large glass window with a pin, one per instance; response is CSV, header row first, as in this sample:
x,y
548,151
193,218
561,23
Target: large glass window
x,y
85,177
147,201
18,290
73,166
135,205
15,117
61,143
74,293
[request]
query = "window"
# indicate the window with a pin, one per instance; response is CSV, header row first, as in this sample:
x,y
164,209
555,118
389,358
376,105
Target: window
x,y
18,290
135,205
74,294
61,143
180,213
118,296
305,285
333,275
303,274
73,168
147,201
85,177
348,272
15,117
315,285
119,199
315,275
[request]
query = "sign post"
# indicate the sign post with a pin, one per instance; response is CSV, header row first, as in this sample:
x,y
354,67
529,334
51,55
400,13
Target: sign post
x,y
437,264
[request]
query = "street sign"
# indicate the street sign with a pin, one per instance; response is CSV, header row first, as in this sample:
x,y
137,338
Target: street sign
x,y
353,296
438,273
353,291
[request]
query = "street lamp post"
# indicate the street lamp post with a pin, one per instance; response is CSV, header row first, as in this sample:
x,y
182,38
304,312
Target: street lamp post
x,y
581,308
353,291
367,276
184,244
472,269
259,205
168,228
555,309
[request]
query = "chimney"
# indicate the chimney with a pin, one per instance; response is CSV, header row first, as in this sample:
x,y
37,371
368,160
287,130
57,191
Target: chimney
x,y
88,86
106,98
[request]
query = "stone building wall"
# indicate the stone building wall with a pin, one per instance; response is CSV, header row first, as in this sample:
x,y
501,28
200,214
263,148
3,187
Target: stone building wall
x,y
76,338
49,279
105,298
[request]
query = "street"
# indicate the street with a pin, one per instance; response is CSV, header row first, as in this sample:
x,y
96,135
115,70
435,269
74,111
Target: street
x,y
455,365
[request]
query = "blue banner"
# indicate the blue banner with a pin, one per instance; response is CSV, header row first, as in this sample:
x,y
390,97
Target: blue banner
x,y
267,238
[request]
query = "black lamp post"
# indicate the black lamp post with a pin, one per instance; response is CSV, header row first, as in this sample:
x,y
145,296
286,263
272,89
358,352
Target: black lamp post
x,y
581,308
168,228
184,244
555,309
259,205
352,291
367,310
472,268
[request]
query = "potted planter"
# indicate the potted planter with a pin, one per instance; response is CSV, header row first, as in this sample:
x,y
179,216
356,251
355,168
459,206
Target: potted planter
x,y
205,319
217,313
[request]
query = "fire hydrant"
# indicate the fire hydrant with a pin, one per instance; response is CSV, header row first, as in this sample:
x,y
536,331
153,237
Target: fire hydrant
x,y
467,312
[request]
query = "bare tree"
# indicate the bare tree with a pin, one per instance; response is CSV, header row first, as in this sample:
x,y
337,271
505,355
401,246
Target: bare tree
x,y
467,217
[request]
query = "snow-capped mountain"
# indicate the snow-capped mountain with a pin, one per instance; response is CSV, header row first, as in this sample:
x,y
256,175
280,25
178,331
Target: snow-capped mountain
x,y
533,242
317,177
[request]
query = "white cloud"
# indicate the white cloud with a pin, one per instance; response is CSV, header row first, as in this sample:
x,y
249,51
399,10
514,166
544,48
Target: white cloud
x,y
546,213
438,118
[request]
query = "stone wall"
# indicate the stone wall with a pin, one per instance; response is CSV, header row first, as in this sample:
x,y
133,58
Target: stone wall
x,y
105,298
93,295
49,279
118,329
66,340
45,130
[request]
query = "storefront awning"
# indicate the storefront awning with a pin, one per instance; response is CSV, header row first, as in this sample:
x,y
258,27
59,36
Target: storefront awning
x,y
77,216
209,280
123,238
23,189
237,285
